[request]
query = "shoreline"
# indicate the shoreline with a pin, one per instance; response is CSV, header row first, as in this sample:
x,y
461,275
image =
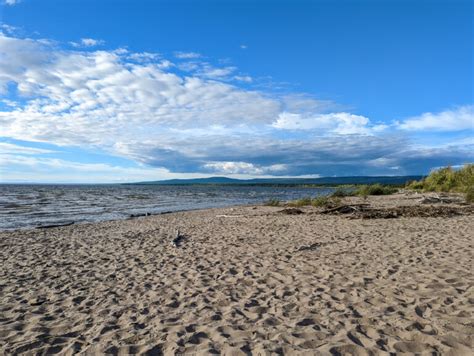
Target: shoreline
x,y
284,204
244,279
130,217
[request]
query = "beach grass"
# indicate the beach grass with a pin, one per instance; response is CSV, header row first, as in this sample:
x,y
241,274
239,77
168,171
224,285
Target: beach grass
x,y
322,201
375,189
273,202
365,190
448,179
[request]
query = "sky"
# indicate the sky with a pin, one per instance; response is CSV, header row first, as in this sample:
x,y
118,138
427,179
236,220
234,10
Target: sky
x,y
122,91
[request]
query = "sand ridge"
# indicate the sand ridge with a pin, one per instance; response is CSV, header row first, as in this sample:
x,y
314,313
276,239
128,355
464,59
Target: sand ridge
x,y
246,280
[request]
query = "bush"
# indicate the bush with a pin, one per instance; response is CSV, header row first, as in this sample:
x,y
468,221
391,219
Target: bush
x,y
415,185
375,189
448,180
442,180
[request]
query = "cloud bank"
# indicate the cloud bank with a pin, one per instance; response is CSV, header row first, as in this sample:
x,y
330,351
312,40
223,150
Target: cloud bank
x,y
190,116
458,119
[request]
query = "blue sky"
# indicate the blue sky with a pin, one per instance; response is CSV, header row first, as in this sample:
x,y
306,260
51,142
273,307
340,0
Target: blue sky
x,y
113,91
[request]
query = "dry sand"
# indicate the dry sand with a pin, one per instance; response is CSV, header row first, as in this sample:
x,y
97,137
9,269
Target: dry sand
x,y
247,280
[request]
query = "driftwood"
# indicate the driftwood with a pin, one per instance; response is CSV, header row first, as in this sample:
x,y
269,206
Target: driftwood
x,y
178,240
312,247
228,216
346,209
54,225
133,216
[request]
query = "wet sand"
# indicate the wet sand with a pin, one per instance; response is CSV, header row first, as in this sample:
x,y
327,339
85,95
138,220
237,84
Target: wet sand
x,y
245,280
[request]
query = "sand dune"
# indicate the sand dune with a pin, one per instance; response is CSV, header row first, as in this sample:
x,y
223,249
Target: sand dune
x,y
246,280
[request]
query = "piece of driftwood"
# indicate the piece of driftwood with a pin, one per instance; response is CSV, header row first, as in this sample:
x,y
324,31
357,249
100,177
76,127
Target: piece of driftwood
x,y
178,240
132,216
346,209
312,247
228,216
54,225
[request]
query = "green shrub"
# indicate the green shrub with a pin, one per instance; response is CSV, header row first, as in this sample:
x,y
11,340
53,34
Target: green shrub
x,y
375,189
415,185
442,180
448,180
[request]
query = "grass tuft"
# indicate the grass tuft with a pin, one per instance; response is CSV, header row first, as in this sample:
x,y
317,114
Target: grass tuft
x,y
322,201
301,202
273,202
326,202
469,195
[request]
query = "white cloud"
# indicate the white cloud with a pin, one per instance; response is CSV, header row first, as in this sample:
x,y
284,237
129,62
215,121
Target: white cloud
x,y
242,46
232,168
205,70
212,72
146,57
12,2
340,123
8,29
187,55
87,42
461,118
96,98
243,78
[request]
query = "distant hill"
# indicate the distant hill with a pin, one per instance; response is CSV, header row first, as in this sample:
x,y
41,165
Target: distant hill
x,y
285,181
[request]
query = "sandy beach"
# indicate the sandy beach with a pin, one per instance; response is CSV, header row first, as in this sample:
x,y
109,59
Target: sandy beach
x,y
245,280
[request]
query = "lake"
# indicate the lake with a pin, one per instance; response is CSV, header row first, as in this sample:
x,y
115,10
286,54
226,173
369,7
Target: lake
x,y
26,206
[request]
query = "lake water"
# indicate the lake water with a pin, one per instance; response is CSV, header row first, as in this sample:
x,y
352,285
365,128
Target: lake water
x,y
26,206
